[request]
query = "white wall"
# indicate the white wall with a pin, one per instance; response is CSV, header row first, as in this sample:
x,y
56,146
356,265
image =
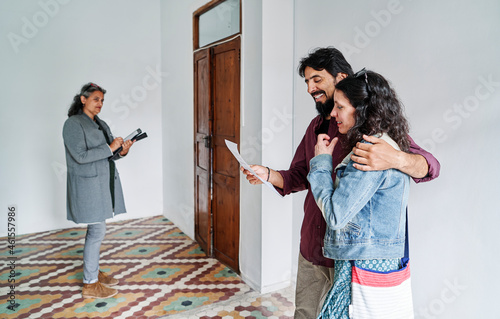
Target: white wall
x,y
49,50
251,125
266,252
442,58
277,144
177,118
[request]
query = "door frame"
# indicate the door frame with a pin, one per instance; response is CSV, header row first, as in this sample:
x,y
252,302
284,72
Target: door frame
x,y
208,245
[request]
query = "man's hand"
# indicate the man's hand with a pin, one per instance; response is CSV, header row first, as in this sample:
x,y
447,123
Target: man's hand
x,y
270,175
380,156
324,146
259,170
377,156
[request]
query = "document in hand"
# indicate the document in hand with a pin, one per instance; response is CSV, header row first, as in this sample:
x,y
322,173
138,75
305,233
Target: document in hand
x,y
233,147
136,135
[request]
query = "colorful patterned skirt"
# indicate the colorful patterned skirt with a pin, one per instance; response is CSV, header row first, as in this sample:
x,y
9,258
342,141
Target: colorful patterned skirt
x,y
337,301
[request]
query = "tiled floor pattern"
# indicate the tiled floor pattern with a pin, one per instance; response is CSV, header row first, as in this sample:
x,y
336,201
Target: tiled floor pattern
x,y
162,273
276,305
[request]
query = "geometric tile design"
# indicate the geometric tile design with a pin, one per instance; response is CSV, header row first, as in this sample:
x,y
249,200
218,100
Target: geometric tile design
x,y
24,251
67,234
162,272
167,273
250,305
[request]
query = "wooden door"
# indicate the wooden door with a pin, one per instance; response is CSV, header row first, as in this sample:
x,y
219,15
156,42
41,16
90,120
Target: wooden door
x,y
226,191
202,150
217,117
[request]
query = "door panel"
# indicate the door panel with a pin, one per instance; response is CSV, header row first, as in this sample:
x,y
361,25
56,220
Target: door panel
x,y
226,234
225,205
224,161
203,155
226,93
217,117
202,133
203,215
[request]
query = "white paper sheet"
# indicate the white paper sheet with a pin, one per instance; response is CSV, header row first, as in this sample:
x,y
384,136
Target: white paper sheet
x,y
233,147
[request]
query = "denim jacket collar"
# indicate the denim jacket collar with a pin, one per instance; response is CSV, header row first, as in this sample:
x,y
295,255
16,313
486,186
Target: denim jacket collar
x,y
345,161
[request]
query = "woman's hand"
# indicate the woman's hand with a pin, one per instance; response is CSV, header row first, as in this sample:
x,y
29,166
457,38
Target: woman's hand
x,y
126,147
324,145
117,142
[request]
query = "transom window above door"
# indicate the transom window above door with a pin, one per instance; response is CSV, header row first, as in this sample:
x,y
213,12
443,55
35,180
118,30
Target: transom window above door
x,y
216,21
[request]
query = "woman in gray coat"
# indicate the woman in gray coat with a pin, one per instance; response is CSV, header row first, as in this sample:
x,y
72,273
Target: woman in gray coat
x,y
94,191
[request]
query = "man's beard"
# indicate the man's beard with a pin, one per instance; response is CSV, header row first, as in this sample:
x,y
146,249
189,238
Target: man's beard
x,y
324,109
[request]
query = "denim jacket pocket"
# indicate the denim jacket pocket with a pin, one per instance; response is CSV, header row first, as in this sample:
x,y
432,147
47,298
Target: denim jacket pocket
x,y
350,231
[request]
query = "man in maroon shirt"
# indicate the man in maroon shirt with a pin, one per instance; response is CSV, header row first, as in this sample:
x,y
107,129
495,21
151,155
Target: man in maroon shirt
x,y
322,69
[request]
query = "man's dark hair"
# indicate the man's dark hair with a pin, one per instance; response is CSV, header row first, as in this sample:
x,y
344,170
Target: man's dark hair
x,y
329,59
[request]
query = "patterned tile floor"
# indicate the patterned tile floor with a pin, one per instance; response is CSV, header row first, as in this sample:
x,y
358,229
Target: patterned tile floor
x,y
162,273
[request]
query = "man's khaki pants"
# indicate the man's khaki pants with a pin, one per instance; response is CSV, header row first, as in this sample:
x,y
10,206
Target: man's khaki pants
x,y
313,283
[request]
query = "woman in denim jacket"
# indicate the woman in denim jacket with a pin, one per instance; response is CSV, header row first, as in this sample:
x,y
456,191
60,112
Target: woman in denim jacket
x,y
365,211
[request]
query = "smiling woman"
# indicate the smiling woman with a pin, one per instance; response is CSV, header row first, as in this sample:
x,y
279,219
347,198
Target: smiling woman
x,y
364,212
377,109
343,112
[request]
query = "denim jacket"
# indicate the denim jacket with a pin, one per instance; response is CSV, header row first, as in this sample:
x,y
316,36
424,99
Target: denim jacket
x,y
365,213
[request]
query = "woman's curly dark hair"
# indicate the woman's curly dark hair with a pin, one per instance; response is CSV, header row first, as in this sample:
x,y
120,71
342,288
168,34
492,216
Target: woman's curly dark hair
x,y
378,108
86,91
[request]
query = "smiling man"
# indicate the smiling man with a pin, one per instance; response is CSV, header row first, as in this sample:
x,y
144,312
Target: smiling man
x,y
322,69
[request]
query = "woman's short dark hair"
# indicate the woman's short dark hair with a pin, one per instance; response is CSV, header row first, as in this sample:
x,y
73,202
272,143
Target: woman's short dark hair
x,y
378,108
86,91
329,59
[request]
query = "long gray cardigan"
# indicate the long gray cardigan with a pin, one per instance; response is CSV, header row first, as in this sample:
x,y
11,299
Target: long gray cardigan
x,y
88,190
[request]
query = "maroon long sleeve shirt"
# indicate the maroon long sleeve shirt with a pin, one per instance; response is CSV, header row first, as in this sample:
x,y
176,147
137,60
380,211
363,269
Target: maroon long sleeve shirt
x,y
295,180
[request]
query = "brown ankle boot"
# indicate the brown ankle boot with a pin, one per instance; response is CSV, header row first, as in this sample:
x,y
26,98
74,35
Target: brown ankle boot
x,y
106,280
97,291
